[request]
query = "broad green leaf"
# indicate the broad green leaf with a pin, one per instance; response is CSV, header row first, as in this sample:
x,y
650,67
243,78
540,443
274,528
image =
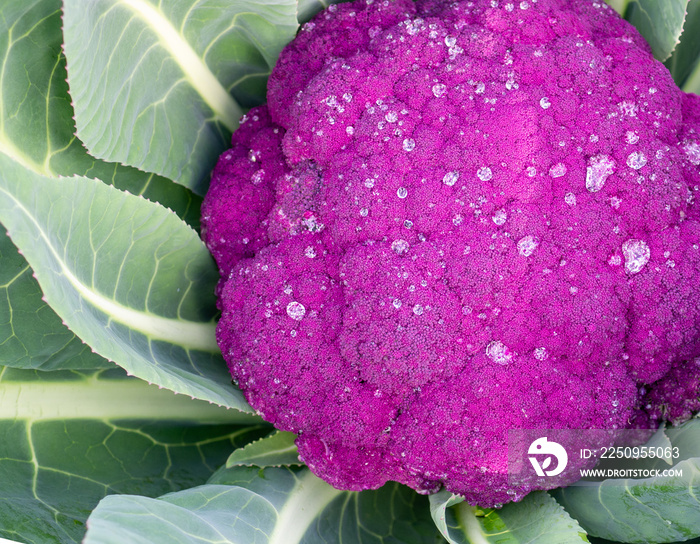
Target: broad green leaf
x,y
274,506
31,334
36,126
537,519
36,116
661,509
126,275
157,85
275,450
661,23
684,64
69,438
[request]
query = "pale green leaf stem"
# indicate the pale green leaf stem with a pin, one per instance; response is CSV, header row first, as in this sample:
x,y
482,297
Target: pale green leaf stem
x,y
469,523
193,67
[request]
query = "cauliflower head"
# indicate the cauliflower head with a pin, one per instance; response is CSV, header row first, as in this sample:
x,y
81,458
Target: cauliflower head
x,y
453,219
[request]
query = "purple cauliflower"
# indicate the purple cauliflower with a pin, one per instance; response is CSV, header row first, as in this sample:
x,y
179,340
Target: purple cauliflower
x,y
453,219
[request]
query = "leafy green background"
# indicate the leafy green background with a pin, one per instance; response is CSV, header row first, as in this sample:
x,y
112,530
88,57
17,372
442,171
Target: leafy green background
x,y
68,438
128,276
36,117
684,64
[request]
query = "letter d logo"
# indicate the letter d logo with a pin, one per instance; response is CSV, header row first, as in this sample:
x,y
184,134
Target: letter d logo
x,y
542,447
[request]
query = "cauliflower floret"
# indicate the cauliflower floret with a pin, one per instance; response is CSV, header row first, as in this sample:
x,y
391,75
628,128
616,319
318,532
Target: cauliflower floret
x,y
458,218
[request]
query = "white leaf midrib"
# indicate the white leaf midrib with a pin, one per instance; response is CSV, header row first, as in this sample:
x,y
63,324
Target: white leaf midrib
x,y
195,69
470,524
307,501
93,398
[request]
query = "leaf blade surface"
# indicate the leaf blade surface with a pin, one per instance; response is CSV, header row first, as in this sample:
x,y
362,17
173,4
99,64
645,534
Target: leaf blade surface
x,y
158,85
537,519
278,449
660,509
125,274
661,23
75,436
275,506
37,131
